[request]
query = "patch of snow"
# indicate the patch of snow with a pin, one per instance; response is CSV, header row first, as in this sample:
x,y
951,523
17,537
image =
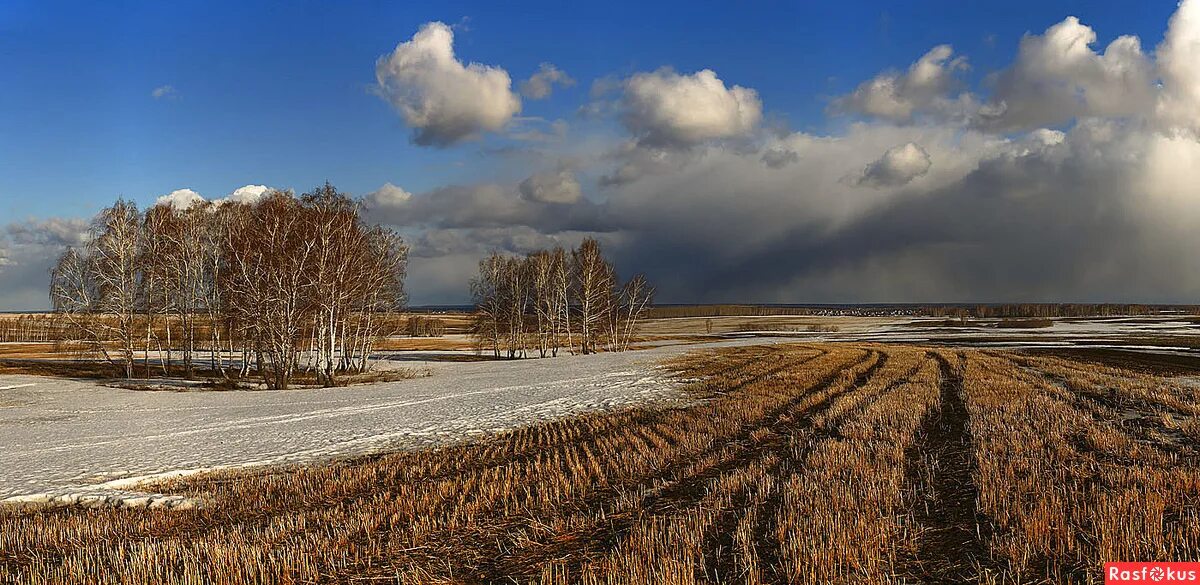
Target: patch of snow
x,y
69,440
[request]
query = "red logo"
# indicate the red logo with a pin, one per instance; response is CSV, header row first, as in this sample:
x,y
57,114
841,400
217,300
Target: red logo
x,y
1151,573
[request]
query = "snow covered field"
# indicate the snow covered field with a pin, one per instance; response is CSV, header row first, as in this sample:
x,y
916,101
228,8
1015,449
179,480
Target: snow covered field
x,y
66,436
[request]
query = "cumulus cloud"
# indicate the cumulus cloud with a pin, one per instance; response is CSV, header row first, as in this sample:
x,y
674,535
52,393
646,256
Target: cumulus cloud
x,y
1179,69
185,199
898,166
180,199
1058,77
164,92
555,187
666,109
922,89
250,194
387,196
541,84
444,101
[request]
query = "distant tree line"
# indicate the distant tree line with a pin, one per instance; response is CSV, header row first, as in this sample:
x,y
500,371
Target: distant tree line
x,y
1050,310
551,299
31,328
257,284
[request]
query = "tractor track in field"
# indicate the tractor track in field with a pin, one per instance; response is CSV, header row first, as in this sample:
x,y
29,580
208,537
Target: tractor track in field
x,y
953,535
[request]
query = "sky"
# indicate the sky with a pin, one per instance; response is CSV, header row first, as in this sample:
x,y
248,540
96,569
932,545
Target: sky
x,y
734,152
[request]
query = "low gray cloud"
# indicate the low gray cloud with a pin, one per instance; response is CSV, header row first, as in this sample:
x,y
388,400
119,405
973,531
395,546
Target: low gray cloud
x,y
488,205
554,187
28,250
1076,221
777,158
53,232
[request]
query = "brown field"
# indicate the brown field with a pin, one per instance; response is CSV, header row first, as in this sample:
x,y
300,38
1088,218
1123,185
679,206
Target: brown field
x,y
795,464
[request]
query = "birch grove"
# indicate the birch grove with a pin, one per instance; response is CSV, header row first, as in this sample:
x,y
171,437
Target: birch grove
x,y
284,285
551,299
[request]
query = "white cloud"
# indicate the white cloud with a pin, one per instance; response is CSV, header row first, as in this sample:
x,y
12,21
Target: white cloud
x,y
250,194
541,84
898,166
184,199
666,109
180,199
1057,77
1179,69
555,187
388,195
444,101
922,89
164,92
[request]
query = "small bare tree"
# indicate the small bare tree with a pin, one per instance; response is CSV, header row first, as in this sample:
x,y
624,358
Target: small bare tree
x,y
542,268
636,297
592,280
489,310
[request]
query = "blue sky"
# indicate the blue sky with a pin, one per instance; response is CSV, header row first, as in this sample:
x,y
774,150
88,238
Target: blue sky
x,y
936,151
278,93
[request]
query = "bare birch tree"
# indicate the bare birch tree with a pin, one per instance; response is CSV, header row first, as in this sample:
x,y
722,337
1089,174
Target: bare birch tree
x,y
114,252
592,281
636,297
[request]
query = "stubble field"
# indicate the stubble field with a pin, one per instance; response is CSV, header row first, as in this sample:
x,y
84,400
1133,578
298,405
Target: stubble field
x,y
798,463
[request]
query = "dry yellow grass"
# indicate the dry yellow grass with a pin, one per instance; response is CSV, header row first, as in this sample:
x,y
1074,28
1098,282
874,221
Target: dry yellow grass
x,y
795,464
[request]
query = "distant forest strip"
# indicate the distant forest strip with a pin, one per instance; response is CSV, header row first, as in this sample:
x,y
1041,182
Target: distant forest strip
x,y
981,311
